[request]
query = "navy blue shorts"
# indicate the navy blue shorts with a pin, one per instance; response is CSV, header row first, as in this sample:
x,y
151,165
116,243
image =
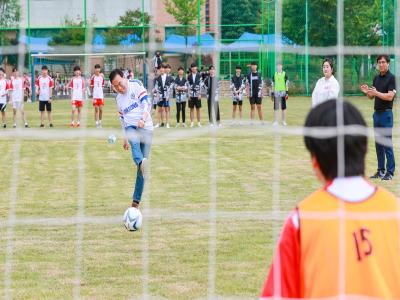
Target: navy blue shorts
x,y
163,103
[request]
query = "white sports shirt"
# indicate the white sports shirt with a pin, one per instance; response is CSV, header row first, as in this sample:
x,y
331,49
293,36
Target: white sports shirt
x,y
44,84
17,87
97,82
4,87
132,104
77,85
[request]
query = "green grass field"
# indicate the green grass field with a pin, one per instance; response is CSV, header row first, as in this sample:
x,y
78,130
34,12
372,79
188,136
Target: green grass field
x,y
44,257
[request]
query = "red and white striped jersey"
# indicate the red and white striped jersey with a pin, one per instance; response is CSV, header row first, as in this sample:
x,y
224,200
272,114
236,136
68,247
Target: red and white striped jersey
x,y
4,87
77,85
44,84
97,82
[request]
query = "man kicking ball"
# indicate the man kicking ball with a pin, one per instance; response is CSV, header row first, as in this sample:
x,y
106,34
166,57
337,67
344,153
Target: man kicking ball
x,y
134,114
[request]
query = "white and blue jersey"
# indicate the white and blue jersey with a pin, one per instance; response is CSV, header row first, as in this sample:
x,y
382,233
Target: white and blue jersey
x,y
133,104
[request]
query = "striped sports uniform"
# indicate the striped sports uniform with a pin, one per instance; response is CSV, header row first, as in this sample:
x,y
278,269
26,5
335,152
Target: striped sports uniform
x,y
45,84
97,83
77,85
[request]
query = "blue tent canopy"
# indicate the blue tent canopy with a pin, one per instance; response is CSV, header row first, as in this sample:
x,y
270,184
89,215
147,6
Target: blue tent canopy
x,y
99,42
40,44
177,42
252,41
37,44
246,42
130,40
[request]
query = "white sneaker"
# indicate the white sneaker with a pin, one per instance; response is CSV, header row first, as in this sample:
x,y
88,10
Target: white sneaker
x,y
284,123
157,125
184,125
219,125
15,125
167,125
211,125
191,125
198,124
275,124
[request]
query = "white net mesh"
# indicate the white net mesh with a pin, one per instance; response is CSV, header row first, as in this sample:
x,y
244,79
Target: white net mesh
x,y
214,202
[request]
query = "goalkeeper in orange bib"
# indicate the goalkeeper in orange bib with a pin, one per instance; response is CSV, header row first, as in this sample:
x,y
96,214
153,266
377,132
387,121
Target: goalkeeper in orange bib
x,y
342,241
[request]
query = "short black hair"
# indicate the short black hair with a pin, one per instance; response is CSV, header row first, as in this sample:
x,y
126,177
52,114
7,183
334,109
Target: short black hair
x,y
114,73
385,56
163,65
330,62
211,67
14,69
97,66
254,63
181,68
2,70
168,66
238,68
77,68
45,67
324,149
193,65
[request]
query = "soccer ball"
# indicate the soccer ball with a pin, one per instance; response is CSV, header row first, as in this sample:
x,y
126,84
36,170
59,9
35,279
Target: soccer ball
x,y
133,219
112,139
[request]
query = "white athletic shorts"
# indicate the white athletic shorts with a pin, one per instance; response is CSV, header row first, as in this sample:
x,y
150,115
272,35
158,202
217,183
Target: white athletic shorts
x,y
18,105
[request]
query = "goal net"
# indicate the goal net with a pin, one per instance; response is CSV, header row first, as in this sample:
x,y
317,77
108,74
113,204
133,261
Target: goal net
x,y
216,197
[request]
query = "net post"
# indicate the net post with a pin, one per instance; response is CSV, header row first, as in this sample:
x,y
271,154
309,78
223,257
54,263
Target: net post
x,y
198,33
32,67
306,50
30,61
144,72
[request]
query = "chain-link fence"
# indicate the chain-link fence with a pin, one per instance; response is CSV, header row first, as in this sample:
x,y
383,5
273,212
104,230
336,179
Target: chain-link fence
x,y
227,33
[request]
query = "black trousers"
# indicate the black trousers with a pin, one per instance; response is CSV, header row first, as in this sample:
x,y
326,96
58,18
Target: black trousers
x,y
180,107
213,108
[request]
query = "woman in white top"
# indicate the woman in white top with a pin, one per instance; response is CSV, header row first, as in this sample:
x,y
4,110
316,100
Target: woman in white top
x,y
327,87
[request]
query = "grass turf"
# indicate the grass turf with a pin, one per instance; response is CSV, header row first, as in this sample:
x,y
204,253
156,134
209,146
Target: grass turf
x,y
43,262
